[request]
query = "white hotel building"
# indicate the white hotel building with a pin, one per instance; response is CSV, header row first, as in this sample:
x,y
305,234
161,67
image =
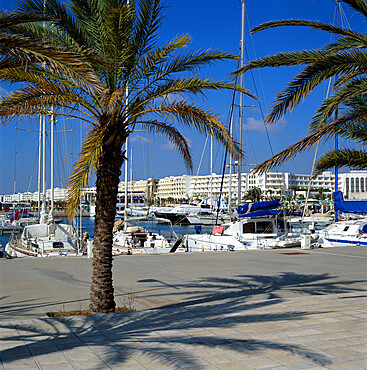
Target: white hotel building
x,y
353,185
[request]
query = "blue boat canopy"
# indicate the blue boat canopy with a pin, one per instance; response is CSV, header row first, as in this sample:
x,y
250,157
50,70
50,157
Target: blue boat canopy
x,y
262,213
257,206
349,206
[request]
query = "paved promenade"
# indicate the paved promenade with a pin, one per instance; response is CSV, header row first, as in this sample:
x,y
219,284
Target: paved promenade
x,y
240,310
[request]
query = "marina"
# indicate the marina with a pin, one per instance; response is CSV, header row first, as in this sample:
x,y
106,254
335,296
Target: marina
x,y
123,245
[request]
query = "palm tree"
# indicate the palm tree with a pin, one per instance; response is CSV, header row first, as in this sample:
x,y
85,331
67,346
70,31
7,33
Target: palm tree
x,y
137,82
345,59
253,194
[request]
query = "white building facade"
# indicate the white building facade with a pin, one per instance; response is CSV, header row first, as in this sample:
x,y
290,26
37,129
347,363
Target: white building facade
x,y
353,185
281,184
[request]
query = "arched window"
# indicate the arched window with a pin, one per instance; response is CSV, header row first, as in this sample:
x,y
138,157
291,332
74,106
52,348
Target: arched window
x,y
352,185
362,184
347,185
357,185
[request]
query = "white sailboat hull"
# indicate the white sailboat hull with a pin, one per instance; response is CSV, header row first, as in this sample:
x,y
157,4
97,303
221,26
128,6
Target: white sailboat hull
x,y
44,240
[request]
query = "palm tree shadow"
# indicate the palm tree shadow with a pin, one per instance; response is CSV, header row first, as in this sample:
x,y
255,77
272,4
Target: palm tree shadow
x,y
150,336
169,335
210,290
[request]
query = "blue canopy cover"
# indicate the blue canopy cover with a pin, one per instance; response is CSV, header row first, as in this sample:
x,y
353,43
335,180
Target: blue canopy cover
x,y
349,206
257,206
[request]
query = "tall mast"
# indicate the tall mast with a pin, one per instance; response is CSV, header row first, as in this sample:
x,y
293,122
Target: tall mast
x,y
230,169
52,122
15,161
43,118
211,171
126,184
39,168
241,100
131,177
336,117
43,210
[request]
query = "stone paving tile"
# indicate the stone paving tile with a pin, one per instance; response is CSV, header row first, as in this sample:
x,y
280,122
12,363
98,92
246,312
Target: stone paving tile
x,y
235,366
318,334
345,366
21,364
66,366
217,359
128,367
262,363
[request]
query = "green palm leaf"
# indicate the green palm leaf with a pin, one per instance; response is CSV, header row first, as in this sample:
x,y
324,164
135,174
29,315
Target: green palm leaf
x,y
352,158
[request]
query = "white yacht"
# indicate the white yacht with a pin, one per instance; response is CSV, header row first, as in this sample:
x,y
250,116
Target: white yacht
x,y
255,232
344,233
137,240
45,240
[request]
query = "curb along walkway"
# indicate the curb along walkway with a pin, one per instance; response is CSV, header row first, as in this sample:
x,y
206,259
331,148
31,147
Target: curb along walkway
x,y
309,332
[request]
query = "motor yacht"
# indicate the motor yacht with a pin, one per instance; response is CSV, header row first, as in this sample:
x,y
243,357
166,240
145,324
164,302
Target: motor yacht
x,y
344,233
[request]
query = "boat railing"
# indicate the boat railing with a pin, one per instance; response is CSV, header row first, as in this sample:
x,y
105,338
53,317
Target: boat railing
x,y
41,246
222,246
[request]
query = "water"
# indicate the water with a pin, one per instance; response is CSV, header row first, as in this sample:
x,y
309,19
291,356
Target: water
x,y
166,230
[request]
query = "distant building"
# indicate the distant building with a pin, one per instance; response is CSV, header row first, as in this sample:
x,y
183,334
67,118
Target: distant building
x,y
353,184
280,184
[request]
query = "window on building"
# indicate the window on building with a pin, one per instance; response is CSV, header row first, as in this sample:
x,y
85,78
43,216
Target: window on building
x,y
357,185
352,185
362,184
347,185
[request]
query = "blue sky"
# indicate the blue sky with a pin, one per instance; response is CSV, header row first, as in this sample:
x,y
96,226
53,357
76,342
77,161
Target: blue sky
x,y
210,24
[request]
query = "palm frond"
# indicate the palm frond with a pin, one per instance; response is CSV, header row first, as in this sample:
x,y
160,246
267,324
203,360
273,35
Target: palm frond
x,y
12,21
33,101
323,133
284,59
329,106
175,137
359,5
148,18
305,23
56,9
196,118
352,158
175,87
346,43
83,169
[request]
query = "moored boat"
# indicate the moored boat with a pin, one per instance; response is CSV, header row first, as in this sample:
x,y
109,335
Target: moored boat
x,y
45,240
137,240
344,233
264,228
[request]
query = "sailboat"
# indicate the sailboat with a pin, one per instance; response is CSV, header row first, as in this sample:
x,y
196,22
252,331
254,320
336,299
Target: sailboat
x,y
45,239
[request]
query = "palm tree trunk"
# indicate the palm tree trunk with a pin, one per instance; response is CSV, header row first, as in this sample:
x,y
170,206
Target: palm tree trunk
x,y
108,173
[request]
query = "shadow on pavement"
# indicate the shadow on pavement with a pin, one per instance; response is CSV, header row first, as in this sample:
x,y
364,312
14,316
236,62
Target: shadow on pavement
x,y
169,335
